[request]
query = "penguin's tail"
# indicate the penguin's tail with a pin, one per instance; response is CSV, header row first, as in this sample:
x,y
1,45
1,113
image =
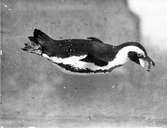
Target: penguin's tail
x,y
38,42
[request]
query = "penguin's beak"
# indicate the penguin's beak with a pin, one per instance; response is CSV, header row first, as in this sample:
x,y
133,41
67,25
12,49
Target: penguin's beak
x,y
147,63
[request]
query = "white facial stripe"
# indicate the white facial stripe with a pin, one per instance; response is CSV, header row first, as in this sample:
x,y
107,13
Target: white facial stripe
x,y
124,51
76,62
122,55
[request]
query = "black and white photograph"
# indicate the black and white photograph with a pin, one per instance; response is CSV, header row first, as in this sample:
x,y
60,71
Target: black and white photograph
x,y
83,64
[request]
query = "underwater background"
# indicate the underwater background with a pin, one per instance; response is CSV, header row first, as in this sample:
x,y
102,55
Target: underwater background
x,y
36,92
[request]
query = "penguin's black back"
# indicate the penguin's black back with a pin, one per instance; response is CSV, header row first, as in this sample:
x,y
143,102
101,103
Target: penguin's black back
x,y
67,48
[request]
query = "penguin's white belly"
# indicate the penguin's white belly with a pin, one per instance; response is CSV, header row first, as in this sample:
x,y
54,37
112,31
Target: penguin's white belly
x,y
77,63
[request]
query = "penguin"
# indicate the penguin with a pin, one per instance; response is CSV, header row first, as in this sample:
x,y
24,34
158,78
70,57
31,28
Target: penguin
x,y
90,55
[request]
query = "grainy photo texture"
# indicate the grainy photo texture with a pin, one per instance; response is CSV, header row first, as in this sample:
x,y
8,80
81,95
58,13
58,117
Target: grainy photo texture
x,y
83,64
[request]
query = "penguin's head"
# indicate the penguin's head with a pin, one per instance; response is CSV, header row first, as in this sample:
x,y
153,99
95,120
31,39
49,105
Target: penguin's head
x,y
141,59
137,53
139,56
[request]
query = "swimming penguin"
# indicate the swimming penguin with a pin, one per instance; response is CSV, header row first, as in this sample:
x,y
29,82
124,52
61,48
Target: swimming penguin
x,y
89,55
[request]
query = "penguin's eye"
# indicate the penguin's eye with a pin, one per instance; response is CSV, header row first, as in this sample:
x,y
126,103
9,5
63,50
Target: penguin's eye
x,y
140,55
